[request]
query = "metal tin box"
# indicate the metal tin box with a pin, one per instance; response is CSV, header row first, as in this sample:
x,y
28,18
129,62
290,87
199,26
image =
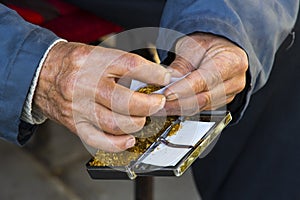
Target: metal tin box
x,y
138,168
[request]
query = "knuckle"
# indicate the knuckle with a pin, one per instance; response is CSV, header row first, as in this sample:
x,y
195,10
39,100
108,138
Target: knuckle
x,y
114,129
242,62
183,65
131,61
78,53
127,125
235,56
241,84
110,128
66,112
66,87
198,85
110,125
206,98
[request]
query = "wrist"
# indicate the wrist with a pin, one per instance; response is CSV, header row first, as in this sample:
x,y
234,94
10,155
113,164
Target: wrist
x,y
50,69
30,114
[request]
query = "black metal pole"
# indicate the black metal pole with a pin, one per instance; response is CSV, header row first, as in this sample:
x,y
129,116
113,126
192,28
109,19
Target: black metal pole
x,y
144,188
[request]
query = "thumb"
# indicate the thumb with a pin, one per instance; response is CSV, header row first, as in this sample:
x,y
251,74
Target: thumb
x,y
132,66
150,73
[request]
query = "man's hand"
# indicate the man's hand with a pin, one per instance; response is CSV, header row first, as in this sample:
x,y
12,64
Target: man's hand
x,y
217,70
78,88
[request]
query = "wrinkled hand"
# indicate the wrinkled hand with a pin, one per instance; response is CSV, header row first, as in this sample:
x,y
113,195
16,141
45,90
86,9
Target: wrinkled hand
x,y
217,70
78,88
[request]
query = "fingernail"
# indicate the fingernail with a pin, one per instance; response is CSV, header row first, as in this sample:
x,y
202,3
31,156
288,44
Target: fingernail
x,y
158,107
170,70
171,97
130,142
161,104
167,78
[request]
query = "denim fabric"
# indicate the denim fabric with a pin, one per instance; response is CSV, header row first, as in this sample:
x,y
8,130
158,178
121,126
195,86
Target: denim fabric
x,y
22,46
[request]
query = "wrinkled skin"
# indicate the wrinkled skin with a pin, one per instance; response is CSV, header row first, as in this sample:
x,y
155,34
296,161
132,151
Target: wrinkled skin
x,y
217,70
78,88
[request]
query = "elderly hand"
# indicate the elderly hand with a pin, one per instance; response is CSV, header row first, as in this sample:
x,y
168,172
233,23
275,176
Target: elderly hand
x,y
217,70
78,88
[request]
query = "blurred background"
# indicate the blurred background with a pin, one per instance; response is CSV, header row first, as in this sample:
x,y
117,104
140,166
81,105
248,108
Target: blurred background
x,y
52,166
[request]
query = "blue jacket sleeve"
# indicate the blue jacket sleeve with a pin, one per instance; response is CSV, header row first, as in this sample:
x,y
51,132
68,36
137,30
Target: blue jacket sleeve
x,y
22,47
259,27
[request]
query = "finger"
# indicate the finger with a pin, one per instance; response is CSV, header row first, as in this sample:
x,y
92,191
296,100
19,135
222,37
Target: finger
x,y
138,68
184,107
196,82
219,96
229,99
232,88
192,105
100,140
125,101
104,119
223,93
116,123
220,64
229,61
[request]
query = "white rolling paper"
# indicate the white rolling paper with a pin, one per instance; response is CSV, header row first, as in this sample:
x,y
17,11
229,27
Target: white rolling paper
x,y
189,134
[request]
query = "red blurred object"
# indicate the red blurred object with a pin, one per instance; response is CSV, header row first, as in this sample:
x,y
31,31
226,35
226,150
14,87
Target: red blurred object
x,y
81,26
28,15
72,23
